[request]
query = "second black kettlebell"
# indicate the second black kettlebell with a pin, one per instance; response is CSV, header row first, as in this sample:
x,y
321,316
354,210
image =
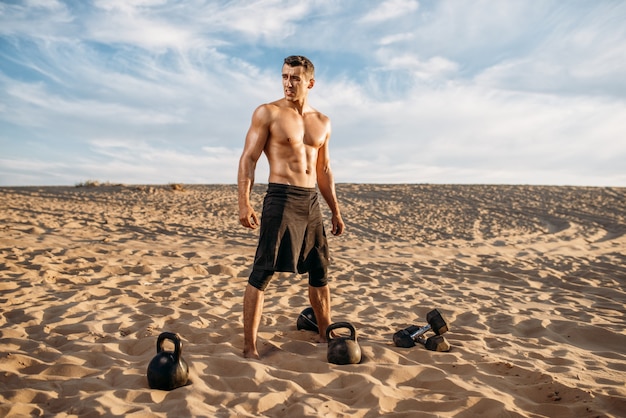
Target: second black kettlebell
x,y
343,350
168,370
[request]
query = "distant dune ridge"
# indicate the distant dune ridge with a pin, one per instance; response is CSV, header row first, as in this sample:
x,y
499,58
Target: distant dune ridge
x,y
531,280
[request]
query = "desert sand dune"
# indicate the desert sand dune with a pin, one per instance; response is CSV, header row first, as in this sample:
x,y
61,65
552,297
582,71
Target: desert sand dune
x,y
531,280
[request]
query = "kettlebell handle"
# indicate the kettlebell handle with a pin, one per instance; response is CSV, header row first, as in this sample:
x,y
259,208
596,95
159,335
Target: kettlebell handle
x,y
172,337
337,325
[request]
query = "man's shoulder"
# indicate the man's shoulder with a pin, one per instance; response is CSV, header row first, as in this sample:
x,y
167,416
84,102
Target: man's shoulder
x,y
269,109
319,115
273,110
277,103
268,106
314,113
266,111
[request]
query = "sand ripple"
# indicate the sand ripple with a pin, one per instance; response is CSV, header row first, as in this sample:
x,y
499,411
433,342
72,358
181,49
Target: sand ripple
x,y
530,278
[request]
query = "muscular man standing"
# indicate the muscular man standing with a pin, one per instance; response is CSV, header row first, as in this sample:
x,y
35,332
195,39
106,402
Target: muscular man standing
x,y
294,138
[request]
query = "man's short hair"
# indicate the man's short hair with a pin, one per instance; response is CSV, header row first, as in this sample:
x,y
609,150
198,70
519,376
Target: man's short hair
x,y
300,60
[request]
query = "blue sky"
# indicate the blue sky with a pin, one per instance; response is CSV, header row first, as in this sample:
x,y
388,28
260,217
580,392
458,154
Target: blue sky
x,y
161,91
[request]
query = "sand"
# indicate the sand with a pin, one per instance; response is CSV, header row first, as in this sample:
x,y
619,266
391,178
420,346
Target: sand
x,y
531,280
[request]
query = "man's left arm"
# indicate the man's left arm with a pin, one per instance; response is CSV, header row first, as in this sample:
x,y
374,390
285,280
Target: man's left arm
x,y
326,184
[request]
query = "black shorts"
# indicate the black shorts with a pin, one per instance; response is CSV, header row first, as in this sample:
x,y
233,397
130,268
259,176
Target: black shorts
x,y
292,237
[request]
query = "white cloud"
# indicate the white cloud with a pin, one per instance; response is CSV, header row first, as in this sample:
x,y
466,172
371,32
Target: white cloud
x,y
390,9
45,4
463,129
128,6
271,19
432,68
120,160
561,67
136,23
395,38
159,91
45,107
39,19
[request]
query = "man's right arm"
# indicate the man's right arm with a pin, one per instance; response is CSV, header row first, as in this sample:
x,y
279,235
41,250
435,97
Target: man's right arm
x,y
256,138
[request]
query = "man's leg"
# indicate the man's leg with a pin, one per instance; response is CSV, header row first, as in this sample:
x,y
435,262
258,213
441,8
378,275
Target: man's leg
x,y
252,311
320,302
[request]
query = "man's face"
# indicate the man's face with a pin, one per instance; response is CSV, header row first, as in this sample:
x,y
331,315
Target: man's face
x,y
296,83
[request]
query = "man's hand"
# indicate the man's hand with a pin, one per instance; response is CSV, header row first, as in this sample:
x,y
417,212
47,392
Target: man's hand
x,y
248,217
338,225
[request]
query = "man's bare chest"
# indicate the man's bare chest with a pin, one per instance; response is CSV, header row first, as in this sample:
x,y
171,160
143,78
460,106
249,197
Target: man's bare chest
x,y
298,130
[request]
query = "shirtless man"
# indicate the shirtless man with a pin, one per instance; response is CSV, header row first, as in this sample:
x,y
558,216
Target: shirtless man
x,y
294,138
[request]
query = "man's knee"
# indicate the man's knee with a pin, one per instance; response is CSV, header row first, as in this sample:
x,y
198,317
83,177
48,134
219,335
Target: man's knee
x,y
318,277
260,278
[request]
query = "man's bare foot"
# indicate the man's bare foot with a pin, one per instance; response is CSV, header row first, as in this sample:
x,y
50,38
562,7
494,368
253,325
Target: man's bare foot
x,y
253,354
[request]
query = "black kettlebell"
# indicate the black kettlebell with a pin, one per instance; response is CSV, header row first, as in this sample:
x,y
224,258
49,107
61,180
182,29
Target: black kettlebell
x,y
306,320
168,370
343,350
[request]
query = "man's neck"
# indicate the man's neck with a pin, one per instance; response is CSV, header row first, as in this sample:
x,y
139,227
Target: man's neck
x,y
298,105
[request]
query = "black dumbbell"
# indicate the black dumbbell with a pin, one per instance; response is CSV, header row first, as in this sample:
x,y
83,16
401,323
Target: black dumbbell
x,y
406,337
434,343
